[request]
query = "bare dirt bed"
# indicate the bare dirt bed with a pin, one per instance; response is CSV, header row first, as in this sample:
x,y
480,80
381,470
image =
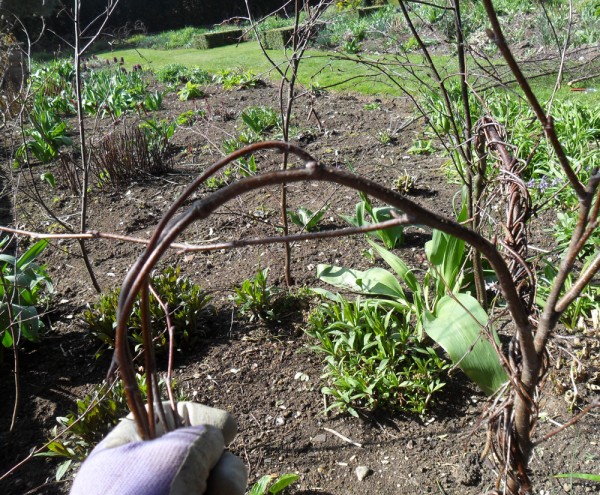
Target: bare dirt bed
x,y
250,369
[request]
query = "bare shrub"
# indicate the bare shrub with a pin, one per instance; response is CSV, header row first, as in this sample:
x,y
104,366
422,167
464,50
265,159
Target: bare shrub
x,y
126,155
68,172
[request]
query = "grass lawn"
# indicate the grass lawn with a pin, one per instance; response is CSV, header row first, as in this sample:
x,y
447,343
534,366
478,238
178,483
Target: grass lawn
x,y
317,67
322,68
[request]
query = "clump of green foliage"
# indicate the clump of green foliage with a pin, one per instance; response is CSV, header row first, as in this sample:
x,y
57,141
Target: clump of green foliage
x,y
260,120
188,306
23,286
421,147
585,309
237,79
307,219
107,91
255,298
46,135
180,74
190,91
166,40
96,414
188,117
373,358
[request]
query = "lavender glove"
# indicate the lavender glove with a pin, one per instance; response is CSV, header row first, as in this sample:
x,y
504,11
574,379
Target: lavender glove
x,y
186,461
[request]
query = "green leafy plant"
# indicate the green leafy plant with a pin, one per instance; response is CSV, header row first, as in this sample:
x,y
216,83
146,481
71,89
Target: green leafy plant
x,y
153,101
45,137
173,74
307,219
52,87
215,183
352,46
187,303
372,106
236,79
159,134
373,358
95,415
446,257
23,286
391,237
185,118
260,120
242,139
429,307
581,312
277,485
112,92
458,326
563,233
246,166
421,147
190,91
255,298
404,183
385,137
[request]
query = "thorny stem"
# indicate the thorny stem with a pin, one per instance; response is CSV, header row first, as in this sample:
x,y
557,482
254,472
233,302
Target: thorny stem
x,y
547,123
171,333
131,285
201,209
474,191
436,77
186,248
149,361
571,422
532,355
83,147
11,316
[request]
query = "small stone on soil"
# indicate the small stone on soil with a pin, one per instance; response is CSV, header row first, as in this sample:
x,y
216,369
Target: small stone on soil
x,y
319,438
362,472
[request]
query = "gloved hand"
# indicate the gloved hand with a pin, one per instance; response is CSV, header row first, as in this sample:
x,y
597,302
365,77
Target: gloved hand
x,y
186,461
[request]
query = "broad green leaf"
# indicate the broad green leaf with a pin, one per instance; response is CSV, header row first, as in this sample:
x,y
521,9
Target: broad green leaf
x,y
260,487
396,264
249,121
7,340
7,258
62,469
455,329
30,324
379,281
32,253
446,253
283,482
48,177
325,293
376,281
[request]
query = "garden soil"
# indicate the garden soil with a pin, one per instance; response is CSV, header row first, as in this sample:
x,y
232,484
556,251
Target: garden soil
x,y
267,375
